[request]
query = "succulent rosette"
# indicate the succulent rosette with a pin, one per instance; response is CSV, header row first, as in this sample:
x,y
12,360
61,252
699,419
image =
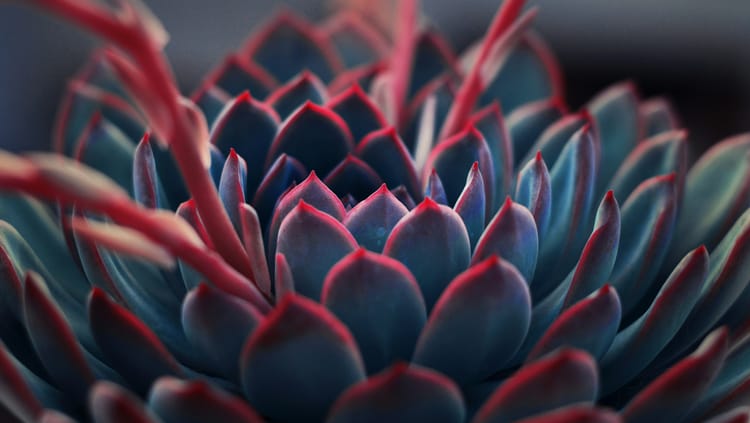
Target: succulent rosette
x,y
344,226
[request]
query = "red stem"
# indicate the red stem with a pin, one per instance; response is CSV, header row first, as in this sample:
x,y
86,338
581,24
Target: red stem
x,y
472,88
403,53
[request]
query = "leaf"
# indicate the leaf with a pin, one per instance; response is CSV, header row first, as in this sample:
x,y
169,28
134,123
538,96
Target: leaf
x,y
434,189
432,57
428,231
236,75
489,121
658,116
528,122
315,136
103,147
147,189
178,401
471,205
357,42
249,127
252,237
590,325
353,177
299,90
551,142
379,300
15,394
477,324
312,242
640,342
232,188
576,414
384,151
412,394
128,345
110,403
535,193
563,378
512,235
452,159
281,176
284,283
616,119
299,361
358,111
671,395
372,220
288,45
217,325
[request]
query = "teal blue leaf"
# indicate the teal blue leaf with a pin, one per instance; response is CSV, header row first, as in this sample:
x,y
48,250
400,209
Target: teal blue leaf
x,y
298,362
232,187
552,141
353,177
296,92
658,116
372,220
356,40
384,151
534,192
281,176
379,300
434,190
105,148
358,111
413,394
433,57
471,205
236,76
527,123
477,324
430,230
489,121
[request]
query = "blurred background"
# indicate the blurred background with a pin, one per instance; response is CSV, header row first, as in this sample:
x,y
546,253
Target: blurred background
x,y
694,52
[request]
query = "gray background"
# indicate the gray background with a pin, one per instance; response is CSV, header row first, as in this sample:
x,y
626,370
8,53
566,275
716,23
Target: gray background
x,y
694,51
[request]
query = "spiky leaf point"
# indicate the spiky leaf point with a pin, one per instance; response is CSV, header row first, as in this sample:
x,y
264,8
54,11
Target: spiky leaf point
x,y
403,196
489,121
358,111
299,361
128,345
657,116
471,205
249,127
147,190
526,124
671,395
379,300
434,190
430,230
477,324
315,136
372,220
563,378
289,45
384,151
648,218
252,237
281,176
535,193
235,76
661,155
232,187
615,114
589,325
639,343
452,159
217,325
714,197
353,177
312,242
411,392
552,141
301,89
178,401
110,403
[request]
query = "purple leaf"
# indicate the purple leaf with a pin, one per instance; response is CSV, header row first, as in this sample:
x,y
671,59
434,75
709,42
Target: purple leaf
x,y
639,343
353,177
371,221
232,187
384,151
477,324
284,172
358,111
283,282
535,193
249,127
671,395
252,237
403,196
434,189
563,378
512,235
315,136
401,394
299,361
178,401
217,325
489,121
528,122
379,300
428,231
110,403
146,186
312,242
471,205
301,89
589,325
128,345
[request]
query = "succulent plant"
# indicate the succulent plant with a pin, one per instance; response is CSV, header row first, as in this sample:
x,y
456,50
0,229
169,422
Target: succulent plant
x,y
345,226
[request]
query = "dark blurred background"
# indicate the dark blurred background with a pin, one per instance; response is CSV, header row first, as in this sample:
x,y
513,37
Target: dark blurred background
x,y
695,52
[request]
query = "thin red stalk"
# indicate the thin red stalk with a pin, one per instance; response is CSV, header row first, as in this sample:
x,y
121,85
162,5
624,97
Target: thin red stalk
x,y
184,145
403,53
471,87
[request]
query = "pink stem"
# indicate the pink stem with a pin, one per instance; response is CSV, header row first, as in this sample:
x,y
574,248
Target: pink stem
x,y
403,53
472,88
